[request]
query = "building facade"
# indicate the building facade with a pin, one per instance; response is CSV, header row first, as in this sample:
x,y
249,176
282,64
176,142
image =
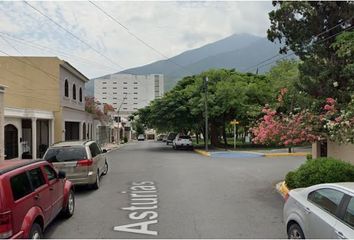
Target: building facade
x,y
45,103
2,119
127,93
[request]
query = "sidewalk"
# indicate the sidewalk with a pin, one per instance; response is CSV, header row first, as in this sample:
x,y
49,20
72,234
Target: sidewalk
x,y
112,146
282,152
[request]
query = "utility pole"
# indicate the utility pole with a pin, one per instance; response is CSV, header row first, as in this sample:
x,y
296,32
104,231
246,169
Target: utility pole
x,y
206,112
118,136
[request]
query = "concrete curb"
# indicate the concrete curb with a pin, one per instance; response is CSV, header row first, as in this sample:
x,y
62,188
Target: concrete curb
x,y
282,188
202,152
302,154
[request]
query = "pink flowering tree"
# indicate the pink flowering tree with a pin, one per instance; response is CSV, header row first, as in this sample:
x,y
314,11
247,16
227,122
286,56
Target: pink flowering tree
x,y
338,124
286,129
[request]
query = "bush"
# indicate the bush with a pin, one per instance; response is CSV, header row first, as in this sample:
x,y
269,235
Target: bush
x,y
309,156
320,170
125,139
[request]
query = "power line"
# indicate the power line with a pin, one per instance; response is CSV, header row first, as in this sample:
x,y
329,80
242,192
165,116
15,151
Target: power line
x,y
72,34
319,42
137,37
316,36
42,47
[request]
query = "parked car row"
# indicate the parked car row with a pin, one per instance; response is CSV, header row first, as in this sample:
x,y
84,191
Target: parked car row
x,y
178,141
34,192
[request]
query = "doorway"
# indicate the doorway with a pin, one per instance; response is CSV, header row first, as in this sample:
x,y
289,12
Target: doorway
x,y
11,141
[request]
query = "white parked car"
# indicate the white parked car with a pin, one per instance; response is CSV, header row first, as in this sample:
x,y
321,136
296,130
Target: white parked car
x,y
182,141
320,211
141,137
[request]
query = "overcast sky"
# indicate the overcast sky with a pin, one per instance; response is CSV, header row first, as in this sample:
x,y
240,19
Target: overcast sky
x,y
170,27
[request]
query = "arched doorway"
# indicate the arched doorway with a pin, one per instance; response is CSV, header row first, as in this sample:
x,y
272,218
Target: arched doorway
x,y
11,141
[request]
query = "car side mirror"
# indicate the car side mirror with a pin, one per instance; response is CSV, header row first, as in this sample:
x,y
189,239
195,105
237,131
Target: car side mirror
x,y
61,175
104,150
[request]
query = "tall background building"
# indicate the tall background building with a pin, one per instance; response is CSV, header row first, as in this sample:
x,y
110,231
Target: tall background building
x,y
129,92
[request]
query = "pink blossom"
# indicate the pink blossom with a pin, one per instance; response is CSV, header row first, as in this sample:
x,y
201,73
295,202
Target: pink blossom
x,y
330,101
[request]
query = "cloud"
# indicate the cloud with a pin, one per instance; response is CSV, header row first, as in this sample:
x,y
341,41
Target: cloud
x,y
170,27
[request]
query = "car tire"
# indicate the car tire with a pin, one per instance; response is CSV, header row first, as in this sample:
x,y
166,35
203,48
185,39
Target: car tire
x,y
96,185
69,209
36,232
295,232
105,170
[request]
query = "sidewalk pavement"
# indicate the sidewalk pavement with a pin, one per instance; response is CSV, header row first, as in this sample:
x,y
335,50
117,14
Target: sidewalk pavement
x,y
112,146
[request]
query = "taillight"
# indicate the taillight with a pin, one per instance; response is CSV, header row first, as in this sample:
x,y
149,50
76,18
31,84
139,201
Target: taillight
x,y
84,162
286,197
5,225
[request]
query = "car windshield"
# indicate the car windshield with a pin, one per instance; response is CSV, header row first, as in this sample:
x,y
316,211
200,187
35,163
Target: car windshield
x,y
185,137
65,154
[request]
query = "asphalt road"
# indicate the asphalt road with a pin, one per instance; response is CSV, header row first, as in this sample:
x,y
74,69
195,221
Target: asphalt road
x,y
196,197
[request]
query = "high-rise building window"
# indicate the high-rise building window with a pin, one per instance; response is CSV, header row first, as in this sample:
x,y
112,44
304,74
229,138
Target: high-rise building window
x,y
104,82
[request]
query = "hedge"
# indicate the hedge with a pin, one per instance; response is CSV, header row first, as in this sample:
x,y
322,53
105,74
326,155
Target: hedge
x,y
320,170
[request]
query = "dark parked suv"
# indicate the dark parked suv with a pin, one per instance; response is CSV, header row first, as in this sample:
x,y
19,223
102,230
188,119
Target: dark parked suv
x,y
32,194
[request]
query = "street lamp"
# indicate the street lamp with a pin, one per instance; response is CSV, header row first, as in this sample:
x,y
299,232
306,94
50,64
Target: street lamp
x,y
206,112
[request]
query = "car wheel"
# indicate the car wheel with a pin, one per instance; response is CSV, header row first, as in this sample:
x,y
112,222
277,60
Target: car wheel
x,y
69,209
36,232
105,170
295,232
96,185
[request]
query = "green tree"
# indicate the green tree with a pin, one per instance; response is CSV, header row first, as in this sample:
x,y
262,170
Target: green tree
x,y
309,29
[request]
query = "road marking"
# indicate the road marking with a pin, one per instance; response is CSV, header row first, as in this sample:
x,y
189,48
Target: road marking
x,y
143,202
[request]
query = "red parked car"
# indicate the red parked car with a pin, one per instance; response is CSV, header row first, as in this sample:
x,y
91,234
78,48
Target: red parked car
x,y
32,194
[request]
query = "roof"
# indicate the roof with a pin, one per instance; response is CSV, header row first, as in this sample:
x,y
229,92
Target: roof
x,y
71,143
9,165
73,70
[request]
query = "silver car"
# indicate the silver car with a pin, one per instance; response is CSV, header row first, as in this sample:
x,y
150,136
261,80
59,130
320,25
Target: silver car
x,y
320,211
83,161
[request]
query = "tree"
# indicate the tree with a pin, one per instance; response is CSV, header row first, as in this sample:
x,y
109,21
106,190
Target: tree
x,y
309,29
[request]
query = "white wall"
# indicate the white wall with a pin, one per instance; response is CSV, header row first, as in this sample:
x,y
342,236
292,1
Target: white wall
x,y
73,115
72,79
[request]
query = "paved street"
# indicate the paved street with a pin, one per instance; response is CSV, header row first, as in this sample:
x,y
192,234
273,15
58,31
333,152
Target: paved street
x,y
197,196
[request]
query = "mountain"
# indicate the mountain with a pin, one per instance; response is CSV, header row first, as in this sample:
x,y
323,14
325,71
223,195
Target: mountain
x,y
236,51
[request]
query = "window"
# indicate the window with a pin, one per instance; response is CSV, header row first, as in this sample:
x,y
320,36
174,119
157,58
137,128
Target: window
x,y
125,103
327,199
135,82
349,213
104,98
74,92
125,108
95,150
125,88
36,177
80,94
114,87
104,82
135,108
114,98
125,93
104,93
114,82
104,88
135,87
135,103
125,83
20,186
66,154
114,93
51,173
66,88
135,98
135,93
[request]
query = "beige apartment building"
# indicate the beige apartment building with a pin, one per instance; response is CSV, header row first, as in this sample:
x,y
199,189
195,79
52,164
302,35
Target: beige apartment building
x,y
44,103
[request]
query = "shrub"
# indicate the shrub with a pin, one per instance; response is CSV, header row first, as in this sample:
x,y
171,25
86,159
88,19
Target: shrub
x,y
125,139
309,156
320,170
